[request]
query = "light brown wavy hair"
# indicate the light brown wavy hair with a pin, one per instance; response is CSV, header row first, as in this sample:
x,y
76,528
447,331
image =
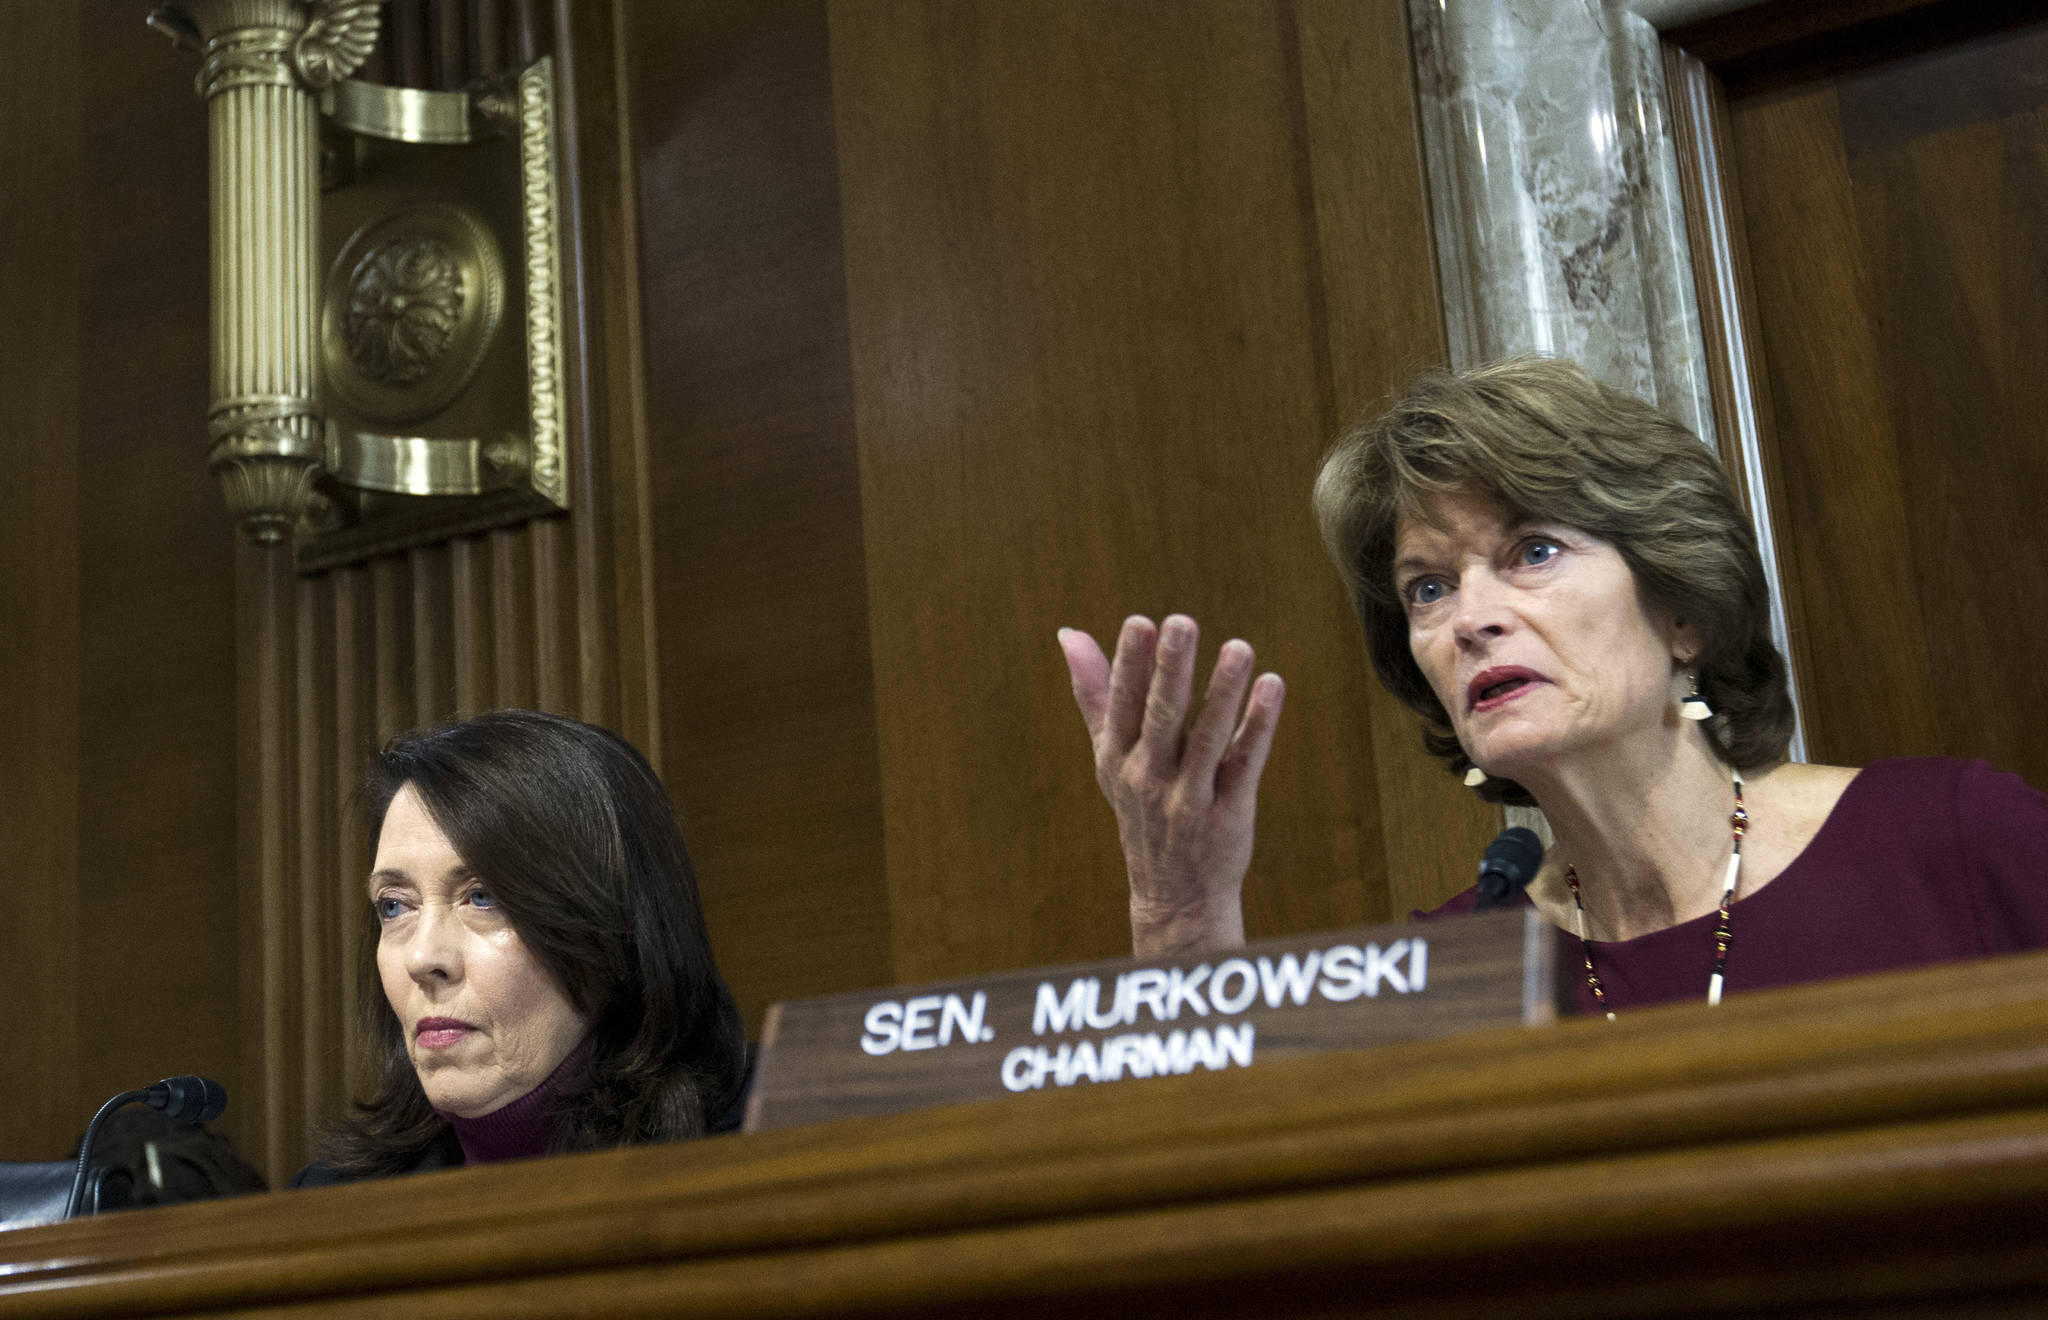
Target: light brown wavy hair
x,y
1542,441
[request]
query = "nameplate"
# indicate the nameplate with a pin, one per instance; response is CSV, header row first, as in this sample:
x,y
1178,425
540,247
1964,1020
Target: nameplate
x,y
1130,1020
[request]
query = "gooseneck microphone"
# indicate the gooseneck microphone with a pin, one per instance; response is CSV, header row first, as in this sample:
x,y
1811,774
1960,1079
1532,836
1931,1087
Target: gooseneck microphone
x,y
192,1100
1509,864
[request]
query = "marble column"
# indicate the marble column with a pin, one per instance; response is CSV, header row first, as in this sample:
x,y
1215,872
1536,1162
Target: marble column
x,y
1554,192
1555,201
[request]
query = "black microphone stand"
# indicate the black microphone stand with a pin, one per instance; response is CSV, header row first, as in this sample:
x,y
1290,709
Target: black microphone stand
x,y
186,1099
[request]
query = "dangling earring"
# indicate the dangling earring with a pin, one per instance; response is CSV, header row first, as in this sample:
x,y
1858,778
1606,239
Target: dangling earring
x,y
1693,706
1474,777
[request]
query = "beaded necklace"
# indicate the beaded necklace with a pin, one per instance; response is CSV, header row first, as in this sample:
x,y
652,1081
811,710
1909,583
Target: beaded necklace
x,y
1738,822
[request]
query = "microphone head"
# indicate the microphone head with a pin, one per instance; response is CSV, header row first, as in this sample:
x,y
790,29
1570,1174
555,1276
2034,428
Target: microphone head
x,y
1515,852
1510,863
189,1099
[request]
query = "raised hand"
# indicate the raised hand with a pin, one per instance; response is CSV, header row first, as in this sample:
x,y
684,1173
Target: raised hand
x,y
1184,794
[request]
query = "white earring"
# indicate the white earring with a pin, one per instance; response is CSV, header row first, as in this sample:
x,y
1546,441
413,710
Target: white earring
x,y
1693,706
1474,777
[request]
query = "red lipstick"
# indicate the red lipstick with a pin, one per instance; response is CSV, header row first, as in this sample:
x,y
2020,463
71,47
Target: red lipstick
x,y
1495,687
436,1033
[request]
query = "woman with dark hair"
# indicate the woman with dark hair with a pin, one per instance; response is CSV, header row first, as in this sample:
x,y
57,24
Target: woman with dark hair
x,y
547,984
1559,580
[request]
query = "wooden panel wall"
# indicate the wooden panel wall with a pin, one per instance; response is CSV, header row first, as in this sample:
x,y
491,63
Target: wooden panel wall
x,y
40,132
118,950
156,915
969,322
766,691
1377,296
1901,269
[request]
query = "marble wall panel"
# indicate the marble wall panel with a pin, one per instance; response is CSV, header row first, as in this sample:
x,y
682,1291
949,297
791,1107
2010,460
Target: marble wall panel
x,y
1554,190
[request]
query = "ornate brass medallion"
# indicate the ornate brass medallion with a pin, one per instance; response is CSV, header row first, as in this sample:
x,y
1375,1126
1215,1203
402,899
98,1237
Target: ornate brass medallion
x,y
439,336
411,304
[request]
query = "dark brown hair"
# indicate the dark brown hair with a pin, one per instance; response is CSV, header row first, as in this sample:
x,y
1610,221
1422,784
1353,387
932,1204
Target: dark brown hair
x,y
1542,440
574,834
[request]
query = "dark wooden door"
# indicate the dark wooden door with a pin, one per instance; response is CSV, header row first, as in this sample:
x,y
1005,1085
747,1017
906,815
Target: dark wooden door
x,y
1893,186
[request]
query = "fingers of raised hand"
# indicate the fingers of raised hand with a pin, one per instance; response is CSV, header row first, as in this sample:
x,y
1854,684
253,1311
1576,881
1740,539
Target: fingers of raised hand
x,y
1089,670
1130,677
1237,778
1211,734
1166,704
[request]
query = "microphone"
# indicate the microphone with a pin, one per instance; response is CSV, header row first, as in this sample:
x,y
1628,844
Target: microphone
x,y
1508,866
191,1100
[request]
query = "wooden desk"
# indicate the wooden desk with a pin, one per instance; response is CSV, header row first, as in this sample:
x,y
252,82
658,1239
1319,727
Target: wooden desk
x,y
1872,1147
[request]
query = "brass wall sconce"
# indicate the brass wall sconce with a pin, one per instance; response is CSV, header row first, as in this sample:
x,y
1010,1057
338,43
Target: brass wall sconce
x,y
386,333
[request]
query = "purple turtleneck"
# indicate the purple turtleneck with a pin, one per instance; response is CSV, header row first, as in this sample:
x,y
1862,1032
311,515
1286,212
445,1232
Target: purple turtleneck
x,y
520,1129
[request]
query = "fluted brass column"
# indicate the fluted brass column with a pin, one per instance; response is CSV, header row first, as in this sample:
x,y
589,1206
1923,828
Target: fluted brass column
x,y
264,62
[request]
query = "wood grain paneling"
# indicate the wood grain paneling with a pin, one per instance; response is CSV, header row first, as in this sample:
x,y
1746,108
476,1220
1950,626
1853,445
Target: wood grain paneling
x,y
767,706
1836,451
1779,44
1951,189
279,1030
511,591
355,730
609,607
118,617
320,781
1093,342
615,389
156,690
40,373
1378,292
1902,287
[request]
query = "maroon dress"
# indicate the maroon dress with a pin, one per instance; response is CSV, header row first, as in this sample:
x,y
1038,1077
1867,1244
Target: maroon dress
x,y
1922,861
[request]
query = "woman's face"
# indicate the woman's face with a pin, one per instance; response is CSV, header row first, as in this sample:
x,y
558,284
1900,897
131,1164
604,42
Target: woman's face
x,y
484,1021
1534,636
